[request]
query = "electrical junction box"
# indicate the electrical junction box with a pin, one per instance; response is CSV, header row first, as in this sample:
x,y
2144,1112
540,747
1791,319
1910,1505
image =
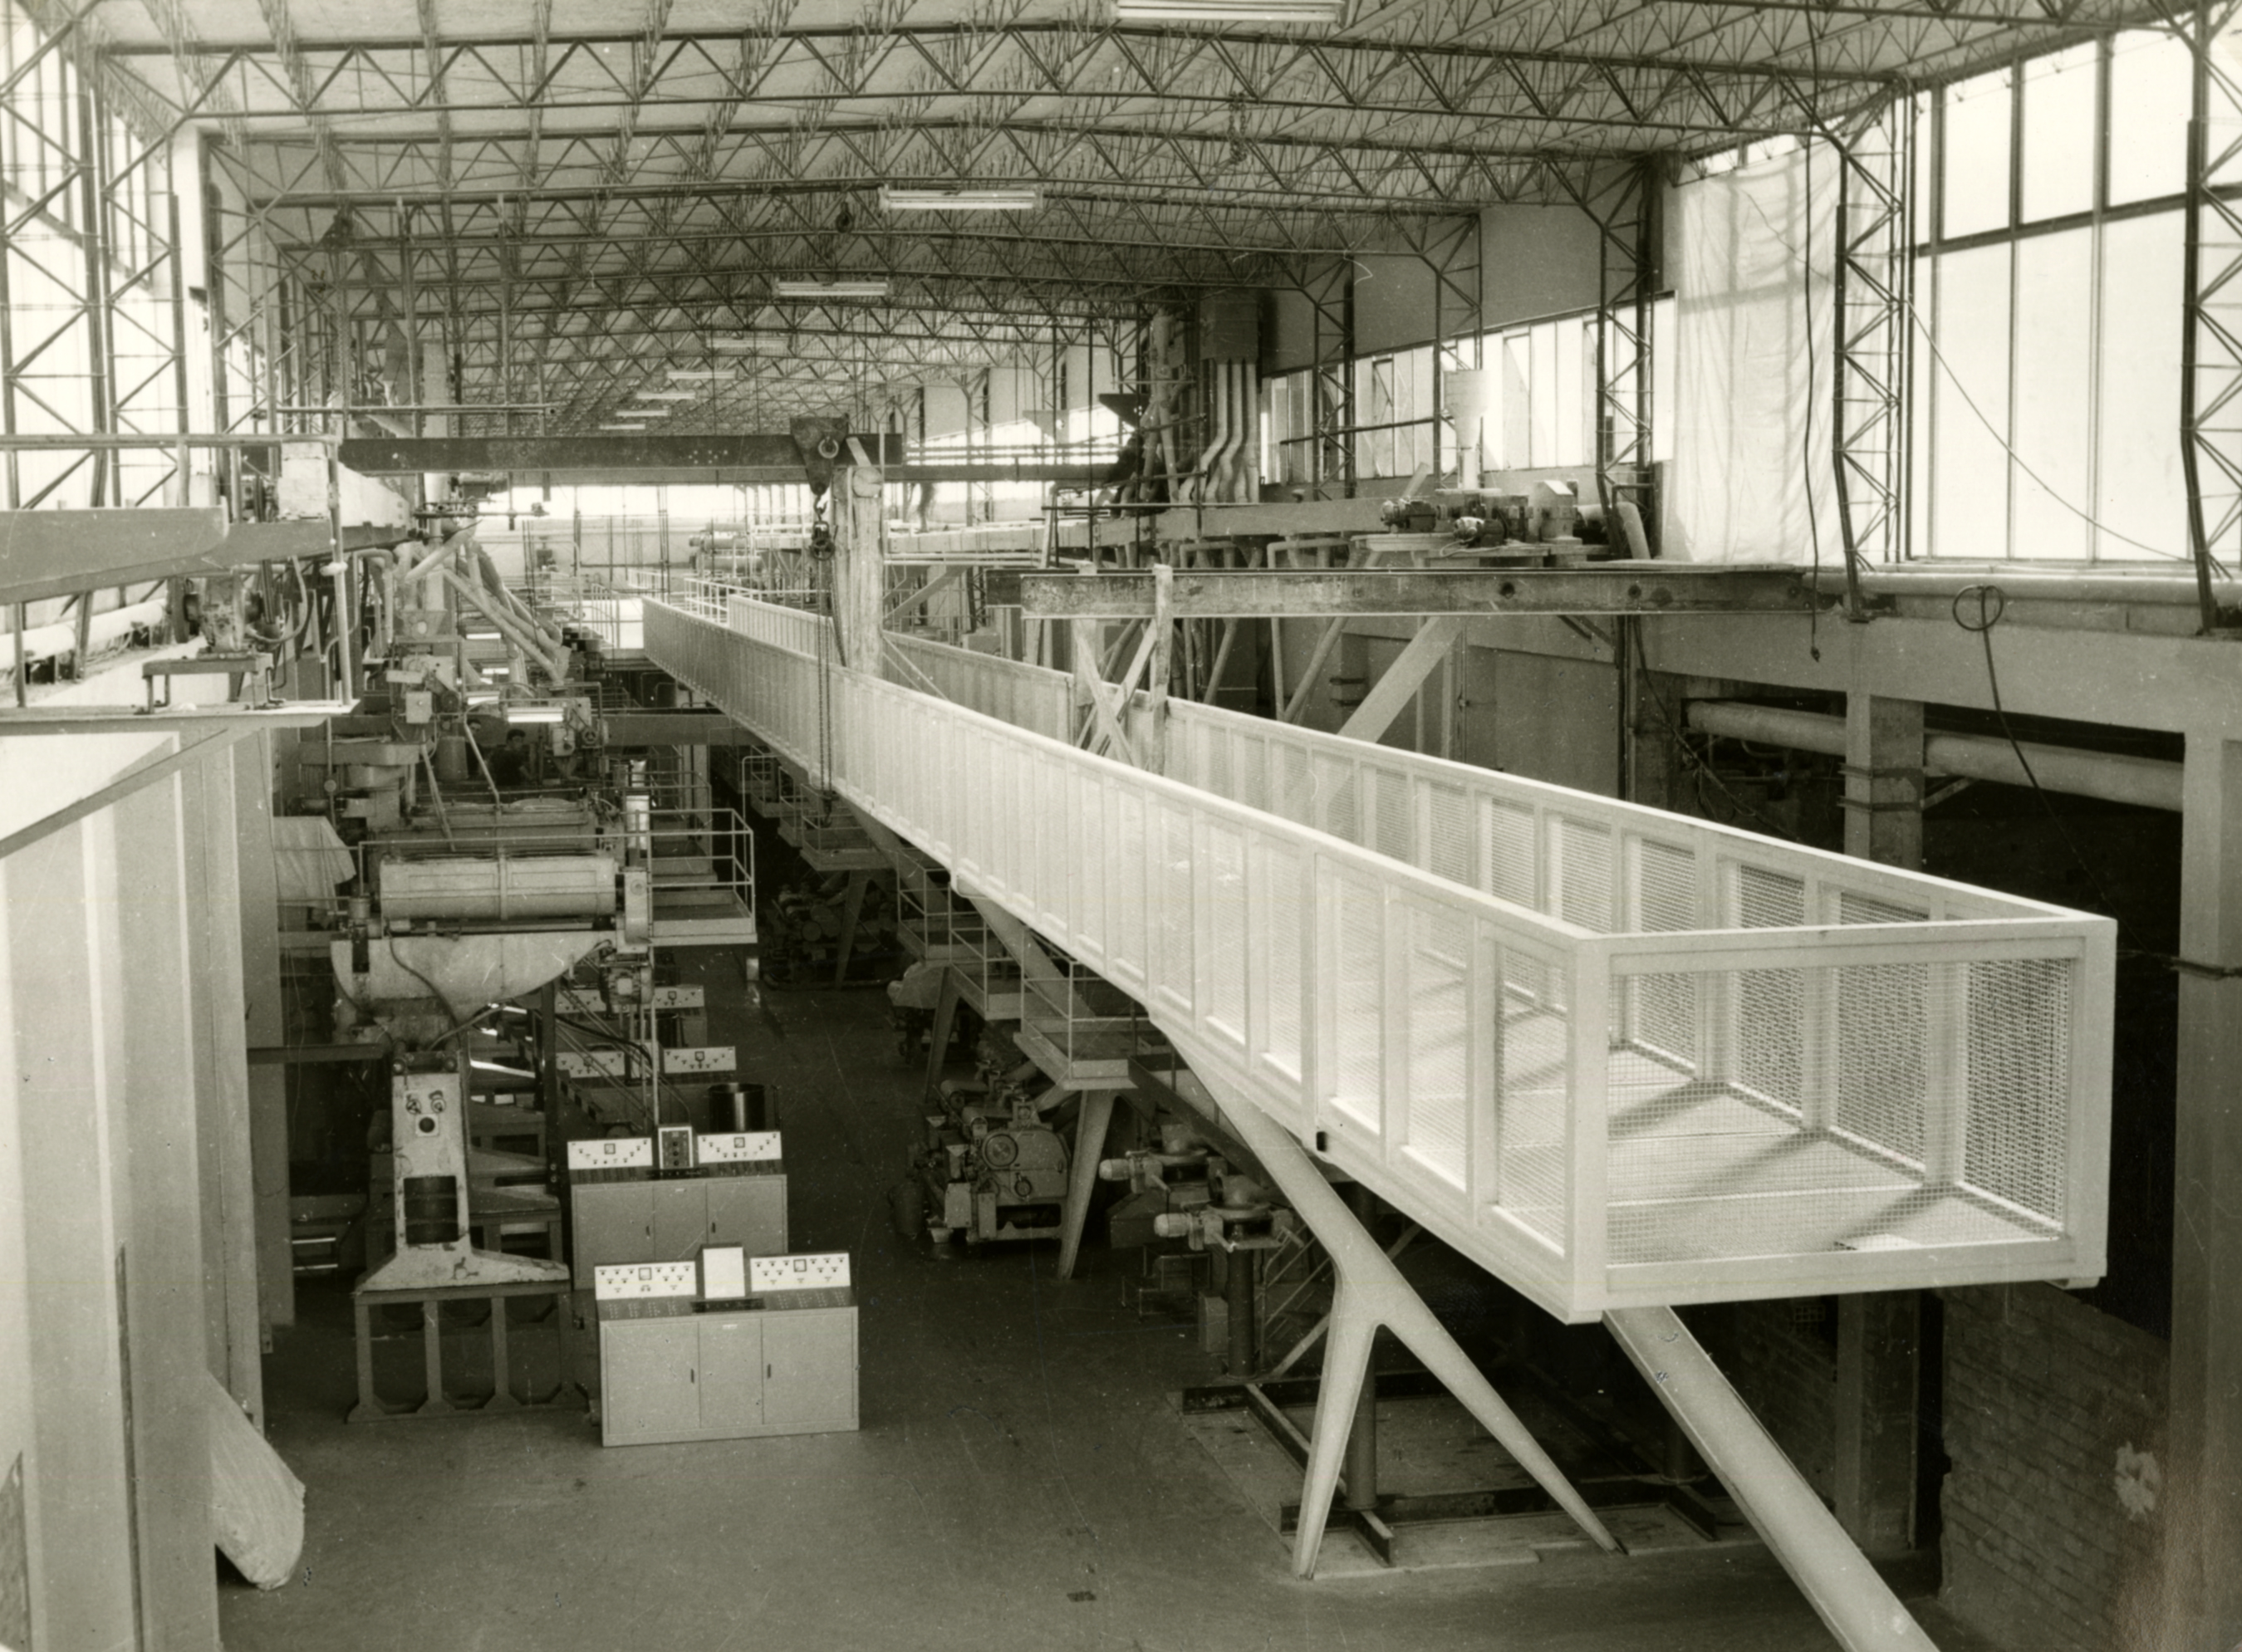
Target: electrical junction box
x,y
674,1147
420,706
824,1272
678,997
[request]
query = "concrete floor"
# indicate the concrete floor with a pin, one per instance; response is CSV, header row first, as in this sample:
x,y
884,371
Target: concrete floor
x,y
1020,1479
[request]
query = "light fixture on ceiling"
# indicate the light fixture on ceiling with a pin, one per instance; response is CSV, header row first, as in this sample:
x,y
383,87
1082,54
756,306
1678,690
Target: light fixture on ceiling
x,y
639,428
830,289
1323,13
668,395
959,200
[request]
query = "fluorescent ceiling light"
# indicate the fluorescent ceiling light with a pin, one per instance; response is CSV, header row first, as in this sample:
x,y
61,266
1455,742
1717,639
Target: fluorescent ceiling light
x,y
1325,13
959,200
667,395
622,426
830,289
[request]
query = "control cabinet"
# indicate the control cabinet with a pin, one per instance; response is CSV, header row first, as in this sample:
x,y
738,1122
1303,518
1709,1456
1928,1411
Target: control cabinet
x,y
670,1220
783,1368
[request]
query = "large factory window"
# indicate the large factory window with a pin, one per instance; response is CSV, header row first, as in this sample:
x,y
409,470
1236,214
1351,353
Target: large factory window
x,y
2046,412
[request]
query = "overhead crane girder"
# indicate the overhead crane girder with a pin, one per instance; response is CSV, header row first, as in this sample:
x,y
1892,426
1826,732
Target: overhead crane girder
x,y
1609,588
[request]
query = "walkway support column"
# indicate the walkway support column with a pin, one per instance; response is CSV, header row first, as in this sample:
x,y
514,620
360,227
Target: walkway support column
x,y
2203,1497
1879,1366
1370,1292
1858,1607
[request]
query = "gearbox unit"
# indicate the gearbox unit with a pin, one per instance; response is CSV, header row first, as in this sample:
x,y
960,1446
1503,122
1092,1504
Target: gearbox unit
x,y
993,1170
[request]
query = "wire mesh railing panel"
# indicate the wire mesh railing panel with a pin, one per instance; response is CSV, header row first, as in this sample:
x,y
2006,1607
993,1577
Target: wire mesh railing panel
x,y
1877,1101
1225,959
2019,1024
1354,908
1533,1171
1436,967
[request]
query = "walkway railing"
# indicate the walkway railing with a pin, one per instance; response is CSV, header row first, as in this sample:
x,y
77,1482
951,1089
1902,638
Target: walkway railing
x,y
1619,1057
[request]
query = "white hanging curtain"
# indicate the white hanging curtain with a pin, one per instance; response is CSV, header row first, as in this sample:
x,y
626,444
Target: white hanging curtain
x,y
1750,480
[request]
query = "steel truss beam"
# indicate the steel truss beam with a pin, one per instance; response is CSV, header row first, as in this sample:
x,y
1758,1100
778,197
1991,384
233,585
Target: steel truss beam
x,y
1451,249
103,349
1871,303
2210,339
1330,293
1622,204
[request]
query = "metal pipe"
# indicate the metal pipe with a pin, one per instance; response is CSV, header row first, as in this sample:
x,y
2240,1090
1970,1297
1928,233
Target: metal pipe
x,y
50,442
1238,1292
1949,579
1216,386
1837,1579
2148,782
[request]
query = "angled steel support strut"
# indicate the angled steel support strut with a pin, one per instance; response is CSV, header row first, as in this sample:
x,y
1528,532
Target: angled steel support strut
x,y
1370,1292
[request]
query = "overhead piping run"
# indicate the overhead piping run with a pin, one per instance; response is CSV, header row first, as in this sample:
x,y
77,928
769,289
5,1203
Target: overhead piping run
x,y
2146,782
830,289
1321,13
1247,445
1201,484
959,200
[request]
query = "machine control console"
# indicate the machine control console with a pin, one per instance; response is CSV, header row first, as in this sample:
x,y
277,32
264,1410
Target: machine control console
x,y
629,1281
757,1146
610,1153
824,1271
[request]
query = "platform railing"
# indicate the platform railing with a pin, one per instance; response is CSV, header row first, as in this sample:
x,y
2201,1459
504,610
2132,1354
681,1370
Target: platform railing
x,y
1716,1068
1024,695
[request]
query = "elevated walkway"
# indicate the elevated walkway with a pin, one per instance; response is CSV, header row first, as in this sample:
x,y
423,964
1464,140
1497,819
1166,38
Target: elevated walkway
x,y
1623,1059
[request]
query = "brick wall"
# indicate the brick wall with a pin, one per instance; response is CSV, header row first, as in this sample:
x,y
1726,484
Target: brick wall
x,y
2050,1508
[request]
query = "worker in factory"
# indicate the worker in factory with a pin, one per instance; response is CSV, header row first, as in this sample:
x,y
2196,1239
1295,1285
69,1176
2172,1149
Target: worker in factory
x,y
509,763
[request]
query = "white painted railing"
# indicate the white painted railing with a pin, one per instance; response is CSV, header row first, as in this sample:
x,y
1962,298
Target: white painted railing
x,y
1024,695
1619,1057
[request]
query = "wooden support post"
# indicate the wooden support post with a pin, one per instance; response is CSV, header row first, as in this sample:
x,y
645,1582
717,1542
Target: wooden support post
x,y
1162,635
1082,1175
2202,1478
859,564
